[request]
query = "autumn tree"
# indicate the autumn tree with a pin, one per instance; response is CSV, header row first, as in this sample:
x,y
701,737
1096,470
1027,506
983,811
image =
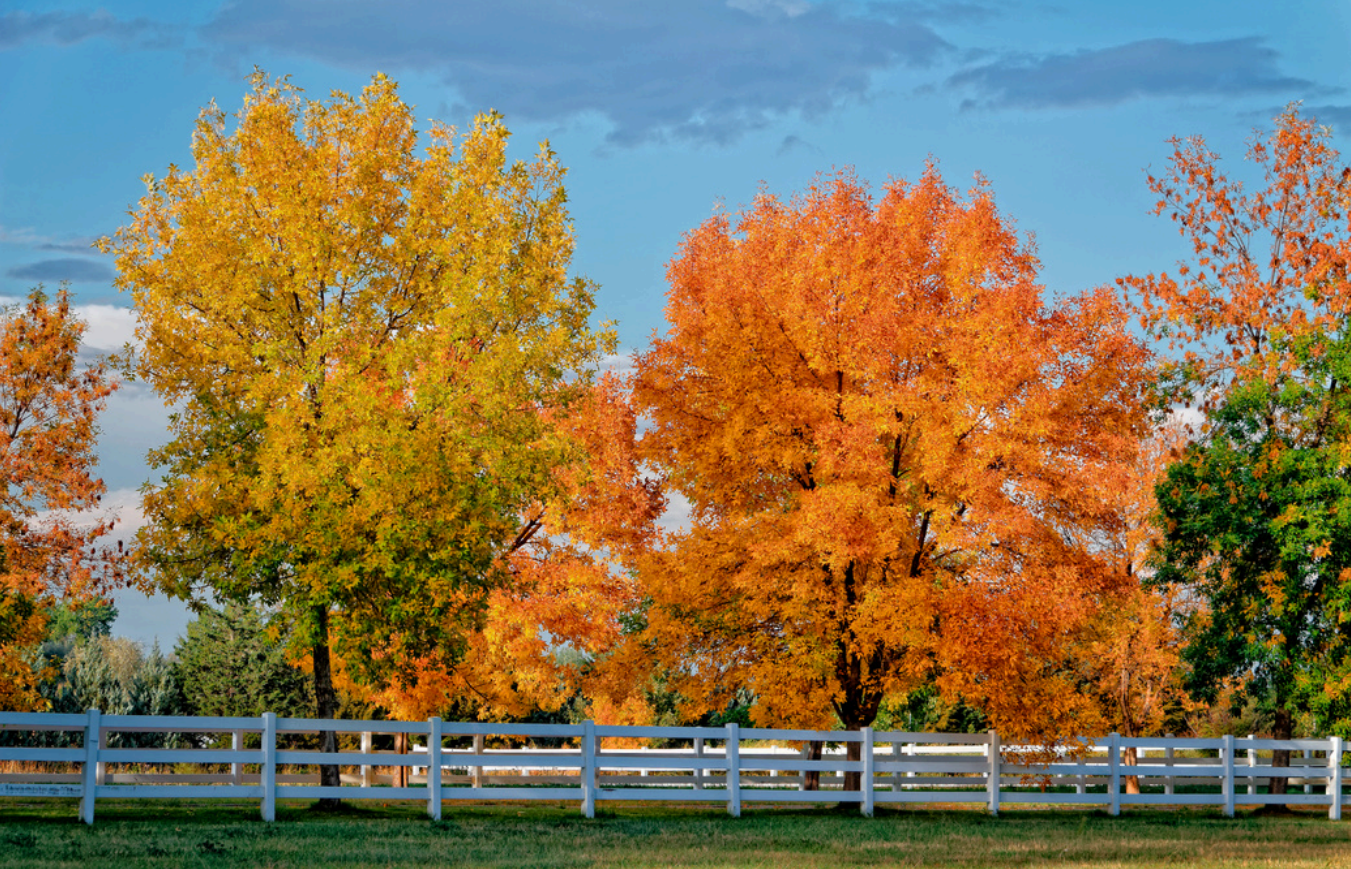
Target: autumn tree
x,y
49,405
361,343
1254,320
1130,652
897,456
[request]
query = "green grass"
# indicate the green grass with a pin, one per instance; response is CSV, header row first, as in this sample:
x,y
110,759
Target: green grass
x,y
130,834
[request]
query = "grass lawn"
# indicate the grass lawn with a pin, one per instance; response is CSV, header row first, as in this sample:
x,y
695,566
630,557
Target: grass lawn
x,y
130,834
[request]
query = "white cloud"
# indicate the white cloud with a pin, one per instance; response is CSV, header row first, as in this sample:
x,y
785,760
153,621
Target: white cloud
x,y
619,363
121,505
108,327
791,8
678,515
144,618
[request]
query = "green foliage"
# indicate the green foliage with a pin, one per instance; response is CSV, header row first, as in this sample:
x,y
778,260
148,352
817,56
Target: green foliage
x,y
924,710
1257,523
231,663
83,620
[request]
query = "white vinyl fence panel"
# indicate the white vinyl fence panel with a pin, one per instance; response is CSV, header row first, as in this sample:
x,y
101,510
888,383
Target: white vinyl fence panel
x,y
593,763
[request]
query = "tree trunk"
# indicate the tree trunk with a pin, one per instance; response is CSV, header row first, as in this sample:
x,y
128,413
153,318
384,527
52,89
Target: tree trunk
x,y
812,777
1282,728
401,747
1131,757
326,698
853,780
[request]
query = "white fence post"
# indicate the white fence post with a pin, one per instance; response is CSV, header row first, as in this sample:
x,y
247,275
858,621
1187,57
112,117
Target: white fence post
x,y
1227,786
476,773
869,770
237,768
434,768
589,768
267,772
93,733
806,755
1308,755
698,773
1252,761
1335,779
1168,761
1114,780
367,743
733,771
905,751
993,774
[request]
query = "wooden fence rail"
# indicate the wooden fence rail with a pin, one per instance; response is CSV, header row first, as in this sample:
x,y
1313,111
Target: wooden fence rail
x,y
591,763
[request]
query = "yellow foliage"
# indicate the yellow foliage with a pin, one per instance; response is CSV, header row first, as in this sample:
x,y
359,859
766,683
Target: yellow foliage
x,y
364,344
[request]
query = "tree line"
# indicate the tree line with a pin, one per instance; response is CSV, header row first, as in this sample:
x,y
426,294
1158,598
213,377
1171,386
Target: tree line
x,y
919,489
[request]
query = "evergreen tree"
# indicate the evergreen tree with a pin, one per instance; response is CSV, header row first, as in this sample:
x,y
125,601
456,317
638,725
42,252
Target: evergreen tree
x,y
232,663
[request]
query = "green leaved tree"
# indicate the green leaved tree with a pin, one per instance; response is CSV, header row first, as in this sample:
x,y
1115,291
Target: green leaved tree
x,y
230,664
1258,523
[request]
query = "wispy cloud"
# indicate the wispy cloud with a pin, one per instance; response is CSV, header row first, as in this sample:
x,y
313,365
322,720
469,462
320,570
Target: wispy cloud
x,y
64,269
704,70
1147,68
69,28
794,142
30,238
621,363
1338,116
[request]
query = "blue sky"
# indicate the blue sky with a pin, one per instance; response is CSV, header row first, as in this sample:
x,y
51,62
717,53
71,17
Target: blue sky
x,y
662,111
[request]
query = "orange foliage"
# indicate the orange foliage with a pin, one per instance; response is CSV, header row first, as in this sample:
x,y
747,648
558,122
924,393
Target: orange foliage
x,y
47,412
1132,655
899,459
1274,259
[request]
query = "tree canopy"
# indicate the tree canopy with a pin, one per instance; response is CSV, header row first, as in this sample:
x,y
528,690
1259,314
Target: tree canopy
x,y
897,454
363,346
1258,526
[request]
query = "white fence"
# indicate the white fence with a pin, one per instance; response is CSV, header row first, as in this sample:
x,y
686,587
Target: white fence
x,y
728,765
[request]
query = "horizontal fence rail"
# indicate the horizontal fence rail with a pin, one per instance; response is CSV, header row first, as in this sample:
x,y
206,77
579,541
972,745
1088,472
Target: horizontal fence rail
x,y
95,756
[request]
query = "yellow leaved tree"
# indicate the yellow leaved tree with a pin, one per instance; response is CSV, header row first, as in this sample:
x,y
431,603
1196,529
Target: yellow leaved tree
x,y
367,347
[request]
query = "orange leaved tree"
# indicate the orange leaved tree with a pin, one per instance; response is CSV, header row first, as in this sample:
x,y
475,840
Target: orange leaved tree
x,y
1131,652
897,454
48,408
1269,262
